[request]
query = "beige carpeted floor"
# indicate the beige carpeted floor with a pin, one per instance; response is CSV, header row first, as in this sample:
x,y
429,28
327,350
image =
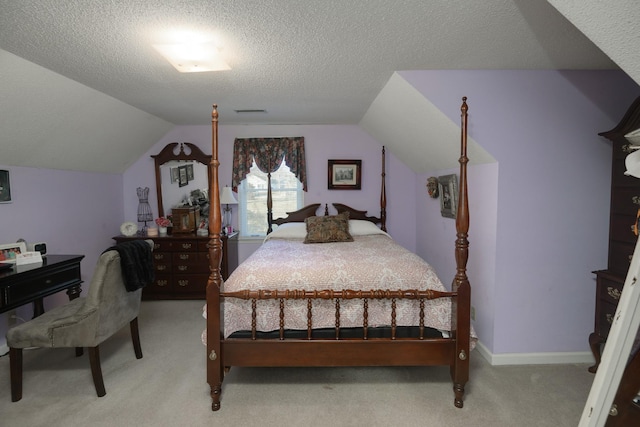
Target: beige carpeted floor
x,y
168,387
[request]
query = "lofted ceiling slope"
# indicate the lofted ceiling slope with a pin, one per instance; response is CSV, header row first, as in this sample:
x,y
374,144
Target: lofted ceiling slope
x,y
98,90
424,129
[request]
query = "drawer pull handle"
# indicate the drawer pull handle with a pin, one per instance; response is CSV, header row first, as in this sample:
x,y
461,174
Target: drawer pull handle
x,y
609,318
183,283
162,267
156,246
48,281
161,283
613,292
186,245
184,256
159,256
183,267
635,200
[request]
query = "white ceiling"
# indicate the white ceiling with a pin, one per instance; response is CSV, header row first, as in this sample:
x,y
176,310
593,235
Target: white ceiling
x,y
305,62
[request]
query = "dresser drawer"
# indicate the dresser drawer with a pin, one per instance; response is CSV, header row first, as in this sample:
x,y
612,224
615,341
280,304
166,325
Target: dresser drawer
x,y
185,246
620,254
163,267
607,312
625,201
162,257
183,268
190,283
161,245
622,228
610,291
184,257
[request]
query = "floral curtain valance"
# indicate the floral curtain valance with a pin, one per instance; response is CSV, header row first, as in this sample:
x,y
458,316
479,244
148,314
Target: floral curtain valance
x,y
268,154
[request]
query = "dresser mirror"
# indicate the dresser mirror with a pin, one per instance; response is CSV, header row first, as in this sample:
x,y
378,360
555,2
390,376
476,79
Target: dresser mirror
x,y
182,176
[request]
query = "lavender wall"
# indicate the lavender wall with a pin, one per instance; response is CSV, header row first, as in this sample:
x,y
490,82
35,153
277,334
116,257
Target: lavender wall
x,y
437,235
539,217
73,212
321,143
552,197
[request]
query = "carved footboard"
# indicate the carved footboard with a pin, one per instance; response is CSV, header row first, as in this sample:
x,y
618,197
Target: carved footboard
x,y
336,296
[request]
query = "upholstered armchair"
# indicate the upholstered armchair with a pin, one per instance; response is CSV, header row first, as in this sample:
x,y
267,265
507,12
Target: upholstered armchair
x,y
88,321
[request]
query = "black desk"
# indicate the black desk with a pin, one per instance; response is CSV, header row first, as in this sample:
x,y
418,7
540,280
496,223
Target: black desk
x,y
32,282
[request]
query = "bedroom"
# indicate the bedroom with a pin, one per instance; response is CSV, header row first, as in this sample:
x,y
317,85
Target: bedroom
x,y
517,116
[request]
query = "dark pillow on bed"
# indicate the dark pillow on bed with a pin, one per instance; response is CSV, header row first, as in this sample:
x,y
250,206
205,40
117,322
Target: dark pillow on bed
x,y
325,229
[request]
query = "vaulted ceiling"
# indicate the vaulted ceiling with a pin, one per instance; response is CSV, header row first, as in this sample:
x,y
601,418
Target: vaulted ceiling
x,y
81,78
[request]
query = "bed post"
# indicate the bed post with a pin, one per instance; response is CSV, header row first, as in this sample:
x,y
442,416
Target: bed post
x,y
383,197
214,354
462,304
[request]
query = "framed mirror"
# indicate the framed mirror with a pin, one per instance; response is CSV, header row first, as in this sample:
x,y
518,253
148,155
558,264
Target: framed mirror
x,y
181,169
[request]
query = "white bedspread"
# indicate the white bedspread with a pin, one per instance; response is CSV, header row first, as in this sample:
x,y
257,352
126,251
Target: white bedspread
x,y
370,262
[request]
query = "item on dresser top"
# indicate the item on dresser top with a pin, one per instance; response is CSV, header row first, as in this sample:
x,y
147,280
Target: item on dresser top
x,y
185,219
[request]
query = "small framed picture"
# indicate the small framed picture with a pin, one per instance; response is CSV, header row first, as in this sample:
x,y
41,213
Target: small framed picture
x,y
448,187
190,175
175,175
5,187
345,174
8,252
182,176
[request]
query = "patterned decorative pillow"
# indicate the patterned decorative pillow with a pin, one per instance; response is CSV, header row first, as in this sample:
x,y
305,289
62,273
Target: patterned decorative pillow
x,y
325,229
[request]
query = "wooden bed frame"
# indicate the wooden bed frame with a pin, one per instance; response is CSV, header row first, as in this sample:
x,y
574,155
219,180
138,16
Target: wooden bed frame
x,y
453,351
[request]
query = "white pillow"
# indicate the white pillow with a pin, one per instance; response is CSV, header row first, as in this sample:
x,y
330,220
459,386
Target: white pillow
x,y
360,227
289,230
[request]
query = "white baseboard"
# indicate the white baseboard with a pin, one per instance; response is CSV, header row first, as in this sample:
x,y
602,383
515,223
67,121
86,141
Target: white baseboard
x,y
534,358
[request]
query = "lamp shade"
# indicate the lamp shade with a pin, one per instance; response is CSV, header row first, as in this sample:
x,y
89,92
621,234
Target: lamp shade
x,y
227,197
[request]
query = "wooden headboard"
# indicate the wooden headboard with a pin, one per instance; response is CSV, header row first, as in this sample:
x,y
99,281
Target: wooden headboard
x,y
356,214
297,216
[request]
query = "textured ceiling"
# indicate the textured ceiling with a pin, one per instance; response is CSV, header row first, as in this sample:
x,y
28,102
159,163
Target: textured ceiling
x,y
304,62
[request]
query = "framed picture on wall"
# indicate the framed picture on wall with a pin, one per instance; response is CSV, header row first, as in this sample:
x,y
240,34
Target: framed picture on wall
x,y
182,176
175,175
5,187
190,176
448,187
345,174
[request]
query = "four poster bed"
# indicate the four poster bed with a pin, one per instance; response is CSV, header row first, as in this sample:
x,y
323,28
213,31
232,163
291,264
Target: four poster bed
x,y
336,290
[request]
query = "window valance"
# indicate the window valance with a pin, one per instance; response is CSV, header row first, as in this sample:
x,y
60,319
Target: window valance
x,y
268,154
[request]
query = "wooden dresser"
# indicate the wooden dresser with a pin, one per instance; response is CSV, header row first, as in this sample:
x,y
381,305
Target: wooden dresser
x,y
625,205
181,264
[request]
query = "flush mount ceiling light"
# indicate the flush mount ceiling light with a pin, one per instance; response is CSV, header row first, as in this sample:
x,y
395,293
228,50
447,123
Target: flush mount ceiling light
x,y
193,57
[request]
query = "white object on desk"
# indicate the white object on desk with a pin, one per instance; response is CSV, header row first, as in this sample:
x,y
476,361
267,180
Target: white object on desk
x,y
28,258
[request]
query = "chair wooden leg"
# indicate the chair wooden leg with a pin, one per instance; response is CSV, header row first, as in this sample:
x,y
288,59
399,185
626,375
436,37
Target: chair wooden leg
x,y
135,337
96,371
15,363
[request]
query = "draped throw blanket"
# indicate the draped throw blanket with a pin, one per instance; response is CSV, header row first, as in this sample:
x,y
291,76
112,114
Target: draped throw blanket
x,y
268,154
136,263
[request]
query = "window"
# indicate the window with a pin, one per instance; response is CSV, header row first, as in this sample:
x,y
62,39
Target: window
x,y
286,195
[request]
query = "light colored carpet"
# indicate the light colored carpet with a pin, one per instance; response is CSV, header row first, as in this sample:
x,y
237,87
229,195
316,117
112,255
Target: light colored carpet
x,y
168,387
